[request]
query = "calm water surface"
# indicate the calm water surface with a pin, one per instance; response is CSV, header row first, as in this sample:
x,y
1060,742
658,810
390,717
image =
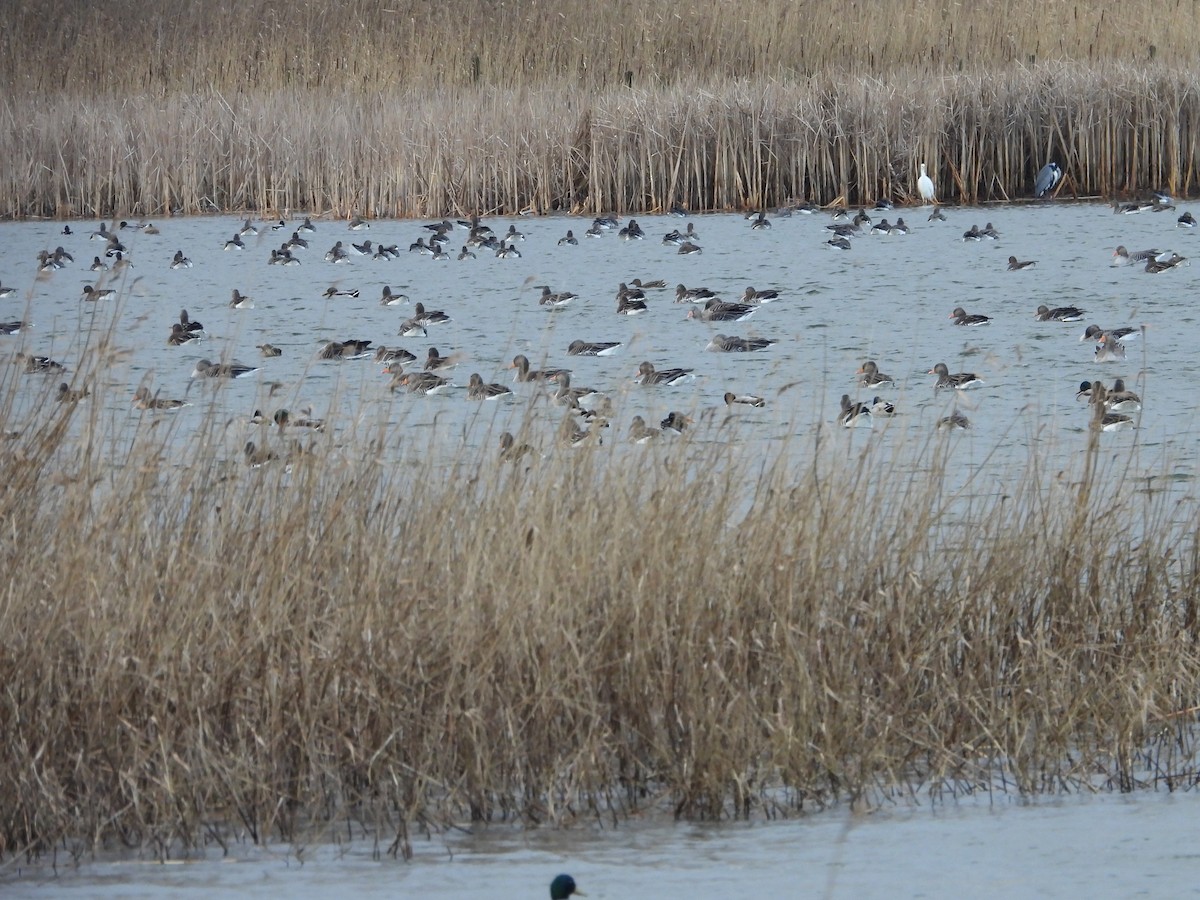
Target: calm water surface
x,y
1103,846
888,298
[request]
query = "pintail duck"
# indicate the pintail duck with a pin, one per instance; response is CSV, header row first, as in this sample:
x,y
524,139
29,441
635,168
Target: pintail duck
x,y
838,243
507,251
959,381
206,369
723,343
98,265
387,252
678,211
247,230
647,374
477,389
269,350
358,223
143,399
1059,314
179,261
989,233
235,243
687,248
588,348
973,234
641,433
606,223
12,327
512,234
281,225
363,249
238,300
295,242
732,399
760,222
568,239
962,317
937,215
525,374
348,349
1187,220
882,227
391,299
307,227
594,232
100,234
67,395
420,383
283,257
630,305
91,293
1016,265
332,291
853,415
465,253
869,376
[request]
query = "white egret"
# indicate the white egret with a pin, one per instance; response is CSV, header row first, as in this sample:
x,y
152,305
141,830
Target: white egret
x,y
925,186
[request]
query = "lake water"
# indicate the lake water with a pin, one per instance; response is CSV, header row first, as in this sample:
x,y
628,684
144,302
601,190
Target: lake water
x,y
888,299
1104,846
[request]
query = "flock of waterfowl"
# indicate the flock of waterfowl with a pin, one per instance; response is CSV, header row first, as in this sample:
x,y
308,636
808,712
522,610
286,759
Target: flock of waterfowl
x,y
586,409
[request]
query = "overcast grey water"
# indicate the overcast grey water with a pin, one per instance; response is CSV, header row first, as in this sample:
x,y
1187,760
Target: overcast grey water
x,y
888,298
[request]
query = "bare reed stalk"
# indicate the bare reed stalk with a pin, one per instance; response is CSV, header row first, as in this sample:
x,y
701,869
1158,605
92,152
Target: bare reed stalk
x,y
205,651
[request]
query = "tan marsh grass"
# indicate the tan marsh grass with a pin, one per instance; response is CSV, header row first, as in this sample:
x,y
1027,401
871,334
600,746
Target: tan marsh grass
x,y
192,653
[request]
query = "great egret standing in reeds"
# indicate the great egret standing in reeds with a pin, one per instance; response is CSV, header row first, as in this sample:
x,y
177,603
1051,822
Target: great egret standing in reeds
x,y
925,186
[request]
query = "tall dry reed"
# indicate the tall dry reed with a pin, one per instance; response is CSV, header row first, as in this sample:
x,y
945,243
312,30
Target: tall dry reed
x,y
722,145
204,652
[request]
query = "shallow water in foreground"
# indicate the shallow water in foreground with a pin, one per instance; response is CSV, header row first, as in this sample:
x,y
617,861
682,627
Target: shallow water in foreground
x,y
1107,845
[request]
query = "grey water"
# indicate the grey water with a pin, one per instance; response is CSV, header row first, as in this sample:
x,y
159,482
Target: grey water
x,y
888,298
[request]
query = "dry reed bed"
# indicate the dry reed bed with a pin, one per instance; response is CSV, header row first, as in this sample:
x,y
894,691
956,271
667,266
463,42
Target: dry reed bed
x,y
192,650
135,47
722,145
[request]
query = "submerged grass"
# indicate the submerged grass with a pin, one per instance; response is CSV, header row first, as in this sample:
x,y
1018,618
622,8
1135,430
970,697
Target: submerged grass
x,y
397,109
209,652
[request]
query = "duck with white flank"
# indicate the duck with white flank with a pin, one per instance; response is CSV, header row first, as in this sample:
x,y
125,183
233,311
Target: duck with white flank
x,y
525,374
641,433
962,317
348,349
732,399
647,374
589,348
723,343
676,422
206,369
1016,265
1123,334
853,415
1059,314
959,381
477,389
869,376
